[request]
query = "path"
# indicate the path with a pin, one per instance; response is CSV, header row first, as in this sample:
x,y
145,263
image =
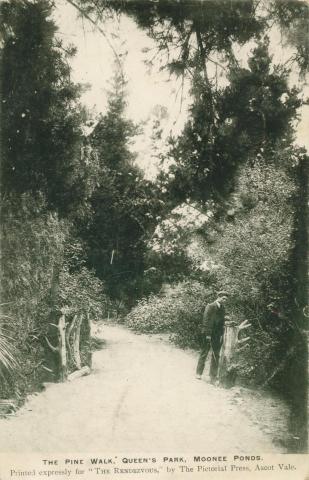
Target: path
x,y
141,397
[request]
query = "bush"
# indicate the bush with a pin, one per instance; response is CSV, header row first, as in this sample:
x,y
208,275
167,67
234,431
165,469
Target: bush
x,y
254,250
254,259
82,292
178,311
8,356
33,241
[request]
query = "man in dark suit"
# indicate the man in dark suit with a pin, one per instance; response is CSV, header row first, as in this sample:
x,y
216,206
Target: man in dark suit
x,y
212,334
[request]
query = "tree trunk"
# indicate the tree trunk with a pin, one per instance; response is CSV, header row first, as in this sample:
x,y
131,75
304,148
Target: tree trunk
x,y
76,342
226,354
87,339
68,338
231,343
62,349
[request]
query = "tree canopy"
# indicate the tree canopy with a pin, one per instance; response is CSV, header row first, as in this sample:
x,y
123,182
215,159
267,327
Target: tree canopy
x,y
41,114
123,203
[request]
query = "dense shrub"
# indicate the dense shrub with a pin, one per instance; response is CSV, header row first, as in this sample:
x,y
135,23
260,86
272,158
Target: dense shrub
x,y
254,249
253,258
82,292
33,241
177,311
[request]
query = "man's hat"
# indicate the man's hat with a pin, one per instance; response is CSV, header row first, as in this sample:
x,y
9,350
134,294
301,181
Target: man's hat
x,y
223,293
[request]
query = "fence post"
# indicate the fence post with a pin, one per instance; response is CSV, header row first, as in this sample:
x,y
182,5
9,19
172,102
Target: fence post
x,y
231,344
62,349
226,353
76,342
87,330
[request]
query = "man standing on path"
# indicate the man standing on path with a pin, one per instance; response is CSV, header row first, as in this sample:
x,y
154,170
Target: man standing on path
x,y
212,335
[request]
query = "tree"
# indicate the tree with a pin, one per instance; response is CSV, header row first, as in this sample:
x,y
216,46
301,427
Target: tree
x,y
186,31
113,133
46,179
123,203
41,117
292,17
200,40
250,115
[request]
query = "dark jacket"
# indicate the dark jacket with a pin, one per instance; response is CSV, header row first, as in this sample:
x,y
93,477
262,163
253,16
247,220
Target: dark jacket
x,y
213,321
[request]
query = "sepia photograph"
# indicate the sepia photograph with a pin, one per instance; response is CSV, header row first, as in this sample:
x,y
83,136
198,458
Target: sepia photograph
x,y
154,184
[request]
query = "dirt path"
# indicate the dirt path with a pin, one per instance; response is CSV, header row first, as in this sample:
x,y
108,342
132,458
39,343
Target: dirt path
x,y
141,397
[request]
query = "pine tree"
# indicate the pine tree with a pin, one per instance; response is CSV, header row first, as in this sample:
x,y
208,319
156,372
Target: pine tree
x,y
41,118
123,203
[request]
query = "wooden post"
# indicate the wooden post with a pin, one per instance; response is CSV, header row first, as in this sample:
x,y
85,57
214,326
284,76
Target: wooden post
x,y
227,352
88,335
76,342
231,344
60,349
68,338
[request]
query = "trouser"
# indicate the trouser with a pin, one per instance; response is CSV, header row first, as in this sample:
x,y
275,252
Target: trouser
x,y
207,345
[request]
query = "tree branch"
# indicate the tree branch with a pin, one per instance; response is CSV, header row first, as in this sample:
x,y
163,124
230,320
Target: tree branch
x,y
202,55
53,349
216,63
85,14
